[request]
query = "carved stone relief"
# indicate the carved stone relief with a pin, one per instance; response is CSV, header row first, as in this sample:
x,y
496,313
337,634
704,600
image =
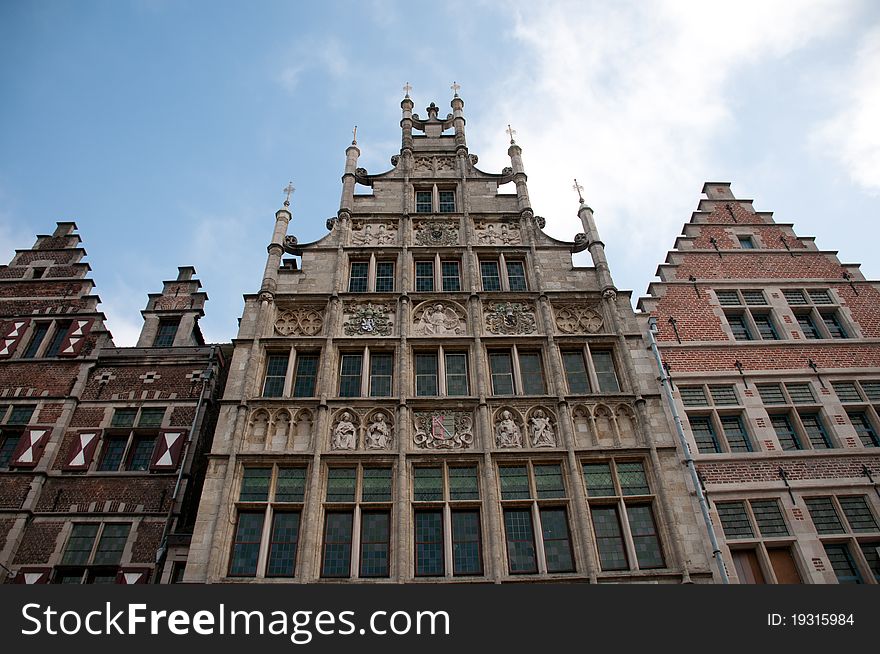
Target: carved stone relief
x,y
541,430
375,233
439,318
447,430
433,164
279,430
344,435
507,432
379,435
436,233
300,321
577,319
498,234
510,318
367,319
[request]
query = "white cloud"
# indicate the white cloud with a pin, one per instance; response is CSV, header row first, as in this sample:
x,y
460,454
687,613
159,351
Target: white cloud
x,y
852,135
324,54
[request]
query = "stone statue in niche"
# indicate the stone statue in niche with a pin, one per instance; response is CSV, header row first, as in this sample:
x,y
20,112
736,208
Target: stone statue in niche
x,y
438,319
344,434
507,433
378,433
542,430
385,236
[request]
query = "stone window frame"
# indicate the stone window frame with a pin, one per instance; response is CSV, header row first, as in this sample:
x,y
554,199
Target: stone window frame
x,y
291,371
366,375
166,338
586,350
501,262
268,508
748,311
132,434
535,504
514,350
861,404
435,190
357,508
438,279
441,351
50,341
447,505
712,405
854,542
620,501
795,411
818,312
11,432
372,261
88,570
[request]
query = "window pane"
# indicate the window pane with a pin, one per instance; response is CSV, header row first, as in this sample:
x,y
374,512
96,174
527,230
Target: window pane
x,y
306,376
377,485
808,327
79,545
467,556
603,362
291,485
8,445
769,518
165,335
788,438
341,484
111,544
123,418
644,535
489,273
424,276
502,373
61,328
738,327
864,428
21,414
532,373
794,297
246,546
357,280
846,391
842,563
456,374
872,555
576,372
609,540
735,433
771,394
746,242
276,371
557,547
451,276
548,481
765,326
463,483
255,485
694,396
633,480
820,296
728,298
598,478
375,536
384,276
447,201
871,390
381,367
350,375
151,417
815,431
723,395
141,453
754,297
734,520
428,529
112,452
426,375
337,545
800,393
824,515
833,324
520,541
514,482
516,276
423,201
704,434
427,484
858,514
282,545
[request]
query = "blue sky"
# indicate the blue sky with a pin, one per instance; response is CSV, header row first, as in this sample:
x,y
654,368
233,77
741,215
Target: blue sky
x,y
167,130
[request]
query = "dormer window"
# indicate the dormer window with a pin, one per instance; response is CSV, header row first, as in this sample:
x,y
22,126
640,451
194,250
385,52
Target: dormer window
x,y
435,200
166,333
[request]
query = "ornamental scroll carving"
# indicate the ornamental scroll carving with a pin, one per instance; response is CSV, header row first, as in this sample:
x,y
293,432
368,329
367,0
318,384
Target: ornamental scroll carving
x,y
301,321
434,164
364,233
367,320
436,233
447,430
438,318
511,318
498,234
577,319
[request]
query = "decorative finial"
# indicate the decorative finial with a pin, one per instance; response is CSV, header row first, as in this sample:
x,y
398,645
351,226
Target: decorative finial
x,y
288,190
579,189
354,135
510,131
455,86
406,89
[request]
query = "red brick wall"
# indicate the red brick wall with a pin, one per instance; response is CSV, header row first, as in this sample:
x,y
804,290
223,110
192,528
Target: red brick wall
x,y
825,467
64,271
182,416
49,413
55,377
755,264
696,320
38,542
865,307
834,354
172,380
720,234
14,488
87,416
132,490
67,256
15,308
721,215
46,289
55,242
770,238
5,527
149,534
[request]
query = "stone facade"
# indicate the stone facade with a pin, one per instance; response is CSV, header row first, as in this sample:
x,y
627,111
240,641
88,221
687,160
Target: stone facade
x,y
772,346
433,392
99,476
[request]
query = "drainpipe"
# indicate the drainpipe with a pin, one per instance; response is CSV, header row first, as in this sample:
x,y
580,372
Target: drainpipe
x,y
704,506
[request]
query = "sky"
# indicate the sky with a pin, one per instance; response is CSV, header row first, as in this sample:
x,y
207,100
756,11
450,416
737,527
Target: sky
x,y
167,130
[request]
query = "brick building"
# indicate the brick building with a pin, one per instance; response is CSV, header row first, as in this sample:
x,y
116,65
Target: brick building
x,y
772,345
433,392
99,446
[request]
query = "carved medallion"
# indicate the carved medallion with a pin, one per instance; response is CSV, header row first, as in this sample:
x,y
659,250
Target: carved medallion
x,y
436,233
576,319
367,320
300,321
510,318
438,318
443,430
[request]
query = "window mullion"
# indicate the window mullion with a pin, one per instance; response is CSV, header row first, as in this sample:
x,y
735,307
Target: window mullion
x,y
366,372
514,370
265,541
356,540
288,377
441,372
371,274
627,537
538,531
591,369
502,273
448,563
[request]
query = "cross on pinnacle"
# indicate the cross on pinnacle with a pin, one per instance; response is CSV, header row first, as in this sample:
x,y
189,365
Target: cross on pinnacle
x,y
354,135
510,131
455,86
579,190
406,89
288,190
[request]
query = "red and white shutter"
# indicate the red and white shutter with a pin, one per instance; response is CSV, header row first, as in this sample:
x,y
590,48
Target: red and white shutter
x,y
33,576
76,337
82,449
30,447
10,334
168,449
129,576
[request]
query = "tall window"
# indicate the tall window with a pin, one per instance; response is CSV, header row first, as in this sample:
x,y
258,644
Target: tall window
x,y
437,273
503,274
353,382
848,528
357,277
306,376
384,276
424,201
720,430
446,520
39,333
276,373
12,423
129,442
749,317
270,497
357,496
447,201
516,371
277,382
587,368
424,276
166,332
861,399
534,502
451,276
93,553
441,372
795,415
817,312
61,329
621,501
435,200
